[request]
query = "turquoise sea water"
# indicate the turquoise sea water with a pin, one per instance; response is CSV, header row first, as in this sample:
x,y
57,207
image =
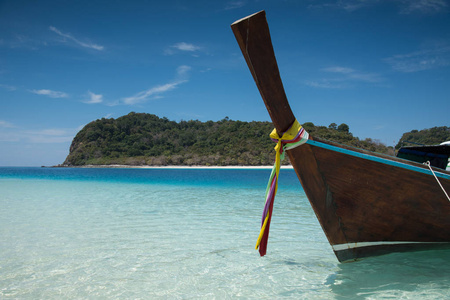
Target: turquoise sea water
x,y
183,234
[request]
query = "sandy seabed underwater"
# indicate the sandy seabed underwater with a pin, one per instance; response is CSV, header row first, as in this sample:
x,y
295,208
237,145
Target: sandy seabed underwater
x,y
183,234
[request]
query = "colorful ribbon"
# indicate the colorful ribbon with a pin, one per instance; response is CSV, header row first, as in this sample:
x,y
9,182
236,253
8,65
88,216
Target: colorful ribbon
x,y
295,136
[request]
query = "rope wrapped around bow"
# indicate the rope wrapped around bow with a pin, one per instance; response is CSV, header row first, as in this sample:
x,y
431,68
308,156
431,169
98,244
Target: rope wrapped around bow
x,y
295,136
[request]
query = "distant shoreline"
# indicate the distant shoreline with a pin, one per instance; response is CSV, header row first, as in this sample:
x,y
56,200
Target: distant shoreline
x,y
170,167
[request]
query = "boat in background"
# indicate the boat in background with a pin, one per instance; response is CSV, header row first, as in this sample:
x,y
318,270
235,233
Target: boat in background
x,y
367,203
437,155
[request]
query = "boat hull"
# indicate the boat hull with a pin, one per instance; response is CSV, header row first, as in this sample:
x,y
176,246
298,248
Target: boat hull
x,y
372,204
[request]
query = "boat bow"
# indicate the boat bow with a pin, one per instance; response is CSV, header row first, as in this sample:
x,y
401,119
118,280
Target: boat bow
x,y
367,204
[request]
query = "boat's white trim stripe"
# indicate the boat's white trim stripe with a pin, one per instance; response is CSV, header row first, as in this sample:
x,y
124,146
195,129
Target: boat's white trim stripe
x,y
340,247
376,159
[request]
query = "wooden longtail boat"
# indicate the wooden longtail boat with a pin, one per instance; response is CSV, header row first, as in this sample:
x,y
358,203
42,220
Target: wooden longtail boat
x,y
367,203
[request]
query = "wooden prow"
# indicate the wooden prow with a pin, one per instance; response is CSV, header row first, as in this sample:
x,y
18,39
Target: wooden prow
x,y
253,36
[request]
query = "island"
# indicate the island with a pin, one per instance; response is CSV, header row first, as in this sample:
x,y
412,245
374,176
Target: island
x,y
142,139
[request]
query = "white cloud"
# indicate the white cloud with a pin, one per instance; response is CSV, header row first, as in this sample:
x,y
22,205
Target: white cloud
x,y
52,132
50,93
346,77
156,92
43,139
48,136
182,71
234,5
183,47
341,70
23,41
7,132
352,5
8,137
8,87
152,93
423,6
5,124
348,5
351,74
11,133
186,47
422,60
78,42
326,84
94,98
405,6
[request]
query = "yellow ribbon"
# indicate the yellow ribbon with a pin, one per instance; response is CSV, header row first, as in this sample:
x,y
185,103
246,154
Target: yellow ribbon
x,y
289,135
261,232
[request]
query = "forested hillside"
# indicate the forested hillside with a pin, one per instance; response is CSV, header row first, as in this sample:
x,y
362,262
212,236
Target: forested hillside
x,y
145,139
431,136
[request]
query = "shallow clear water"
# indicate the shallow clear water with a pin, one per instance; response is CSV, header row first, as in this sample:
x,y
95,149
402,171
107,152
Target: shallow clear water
x,y
183,234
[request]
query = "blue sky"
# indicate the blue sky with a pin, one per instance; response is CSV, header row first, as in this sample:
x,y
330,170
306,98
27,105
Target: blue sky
x,y
380,66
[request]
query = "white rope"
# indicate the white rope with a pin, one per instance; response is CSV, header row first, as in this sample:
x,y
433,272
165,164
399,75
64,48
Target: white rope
x,y
429,167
